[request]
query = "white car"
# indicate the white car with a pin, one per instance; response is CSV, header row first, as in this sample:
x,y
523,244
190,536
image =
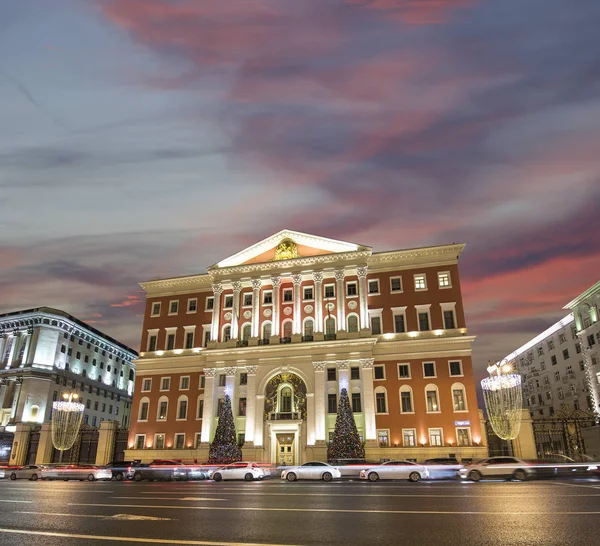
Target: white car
x,y
498,467
75,472
239,471
311,471
395,470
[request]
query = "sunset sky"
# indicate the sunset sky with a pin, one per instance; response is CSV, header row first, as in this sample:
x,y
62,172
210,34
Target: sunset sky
x,y
151,138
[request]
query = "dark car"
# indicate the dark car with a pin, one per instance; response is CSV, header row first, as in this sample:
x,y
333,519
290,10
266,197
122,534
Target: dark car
x,y
122,470
156,470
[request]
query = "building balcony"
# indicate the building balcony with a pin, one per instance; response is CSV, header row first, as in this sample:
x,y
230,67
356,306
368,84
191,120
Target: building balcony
x,y
265,341
285,416
285,340
308,338
330,337
242,343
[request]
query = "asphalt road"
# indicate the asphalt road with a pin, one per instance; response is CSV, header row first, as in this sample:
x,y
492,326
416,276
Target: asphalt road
x,y
276,512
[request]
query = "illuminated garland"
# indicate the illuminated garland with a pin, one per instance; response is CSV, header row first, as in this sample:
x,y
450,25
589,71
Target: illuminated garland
x,y
66,421
504,403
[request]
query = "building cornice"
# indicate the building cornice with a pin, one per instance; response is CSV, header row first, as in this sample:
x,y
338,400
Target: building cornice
x,y
583,296
433,255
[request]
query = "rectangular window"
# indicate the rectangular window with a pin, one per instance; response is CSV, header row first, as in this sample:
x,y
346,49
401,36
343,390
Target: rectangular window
x,y
383,437
159,441
228,302
396,284
356,405
403,371
435,436
140,441
222,380
399,324
331,374
566,354
170,342
374,287
146,385
162,410
355,373
423,322
184,383
420,282
556,376
409,437
248,300
152,343
331,403
192,305
449,320
351,289
553,360
444,279
288,295
429,369
406,402
329,290
96,403
308,293
379,372
381,402
562,338
189,340
540,351
455,367
182,410
268,297
179,441
200,409
103,408
209,303
242,407
591,341
165,383
173,307
458,395
550,344
463,436
577,348
155,309
94,419
376,326
143,411
202,381
243,378
432,401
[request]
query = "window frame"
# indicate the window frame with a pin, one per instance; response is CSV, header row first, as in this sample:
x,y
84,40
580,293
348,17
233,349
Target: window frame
x,y
409,376
470,436
434,376
462,372
181,387
379,366
144,379
171,312
325,287
175,437
162,379
152,306
189,301
381,390
347,285
392,291
399,312
461,387
419,276
378,291
408,389
439,277
428,388
264,296
208,307
424,309
414,436
285,291
387,434
245,295
304,289
431,444
182,398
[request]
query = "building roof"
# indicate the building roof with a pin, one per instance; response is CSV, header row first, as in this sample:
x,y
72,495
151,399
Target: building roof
x,y
583,296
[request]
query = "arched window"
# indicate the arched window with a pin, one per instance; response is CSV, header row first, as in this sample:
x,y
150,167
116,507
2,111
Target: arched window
x,y
330,326
144,409
352,323
285,399
308,328
246,331
287,328
381,404
182,406
432,399
226,332
459,397
163,409
406,400
267,329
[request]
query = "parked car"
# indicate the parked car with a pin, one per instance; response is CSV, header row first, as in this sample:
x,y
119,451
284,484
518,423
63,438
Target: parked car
x,y
498,467
122,470
2,473
190,472
442,468
29,472
314,470
239,471
75,472
156,470
395,470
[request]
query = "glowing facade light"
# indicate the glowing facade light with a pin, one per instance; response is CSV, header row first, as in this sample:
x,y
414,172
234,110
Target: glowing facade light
x,y
504,403
67,415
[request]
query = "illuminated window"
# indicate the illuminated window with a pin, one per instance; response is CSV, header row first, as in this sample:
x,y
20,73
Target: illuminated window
x,y
435,437
444,279
458,398
420,281
383,437
463,436
179,441
409,437
431,397
159,441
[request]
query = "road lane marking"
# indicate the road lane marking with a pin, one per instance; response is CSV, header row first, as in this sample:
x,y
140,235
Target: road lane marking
x,y
578,485
52,490
134,539
332,510
362,495
21,501
125,517
207,499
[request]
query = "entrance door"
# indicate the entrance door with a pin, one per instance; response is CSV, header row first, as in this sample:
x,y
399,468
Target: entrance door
x,y
285,449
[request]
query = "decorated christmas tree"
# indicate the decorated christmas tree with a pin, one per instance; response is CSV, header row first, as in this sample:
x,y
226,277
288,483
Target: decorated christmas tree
x,y
224,448
346,442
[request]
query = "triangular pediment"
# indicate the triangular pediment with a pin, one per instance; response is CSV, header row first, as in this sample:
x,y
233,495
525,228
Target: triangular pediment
x,y
288,244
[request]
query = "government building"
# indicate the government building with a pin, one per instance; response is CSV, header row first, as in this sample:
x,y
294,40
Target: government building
x,y
282,327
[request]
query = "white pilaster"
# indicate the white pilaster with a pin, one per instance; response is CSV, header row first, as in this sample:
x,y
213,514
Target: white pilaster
x,y
13,340
340,293
319,368
363,294
235,318
342,368
209,405
256,284
250,403
368,398
297,327
230,382
259,420
275,317
318,278
214,331
310,419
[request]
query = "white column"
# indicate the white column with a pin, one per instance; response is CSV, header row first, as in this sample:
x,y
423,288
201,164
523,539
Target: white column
x,y
342,368
256,284
297,327
340,292
25,359
310,419
368,398
214,331
363,295
235,319
259,420
208,412
275,317
13,340
318,278
250,403
319,368
230,382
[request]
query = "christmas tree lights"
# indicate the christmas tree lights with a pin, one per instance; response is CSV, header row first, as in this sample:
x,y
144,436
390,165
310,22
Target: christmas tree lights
x,y
346,442
224,448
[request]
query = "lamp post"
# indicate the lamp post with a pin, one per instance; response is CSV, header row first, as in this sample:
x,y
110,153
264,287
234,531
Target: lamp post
x,y
67,415
503,397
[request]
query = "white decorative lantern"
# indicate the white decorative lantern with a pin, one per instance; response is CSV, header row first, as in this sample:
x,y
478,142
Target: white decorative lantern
x,y
504,401
67,415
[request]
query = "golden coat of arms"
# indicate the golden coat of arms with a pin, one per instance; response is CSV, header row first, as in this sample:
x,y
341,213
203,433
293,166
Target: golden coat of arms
x,y
286,250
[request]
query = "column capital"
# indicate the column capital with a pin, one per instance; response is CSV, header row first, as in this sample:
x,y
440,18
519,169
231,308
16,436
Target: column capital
x,y
217,288
339,274
362,271
297,278
237,286
256,284
318,276
319,366
210,372
342,364
230,371
367,362
276,281
251,370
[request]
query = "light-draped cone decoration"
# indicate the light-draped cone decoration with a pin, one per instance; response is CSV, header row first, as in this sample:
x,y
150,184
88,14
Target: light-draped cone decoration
x,y
504,402
66,421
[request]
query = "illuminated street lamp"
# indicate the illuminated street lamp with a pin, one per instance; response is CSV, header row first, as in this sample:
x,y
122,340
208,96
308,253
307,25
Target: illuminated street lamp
x,y
67,415
503,397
